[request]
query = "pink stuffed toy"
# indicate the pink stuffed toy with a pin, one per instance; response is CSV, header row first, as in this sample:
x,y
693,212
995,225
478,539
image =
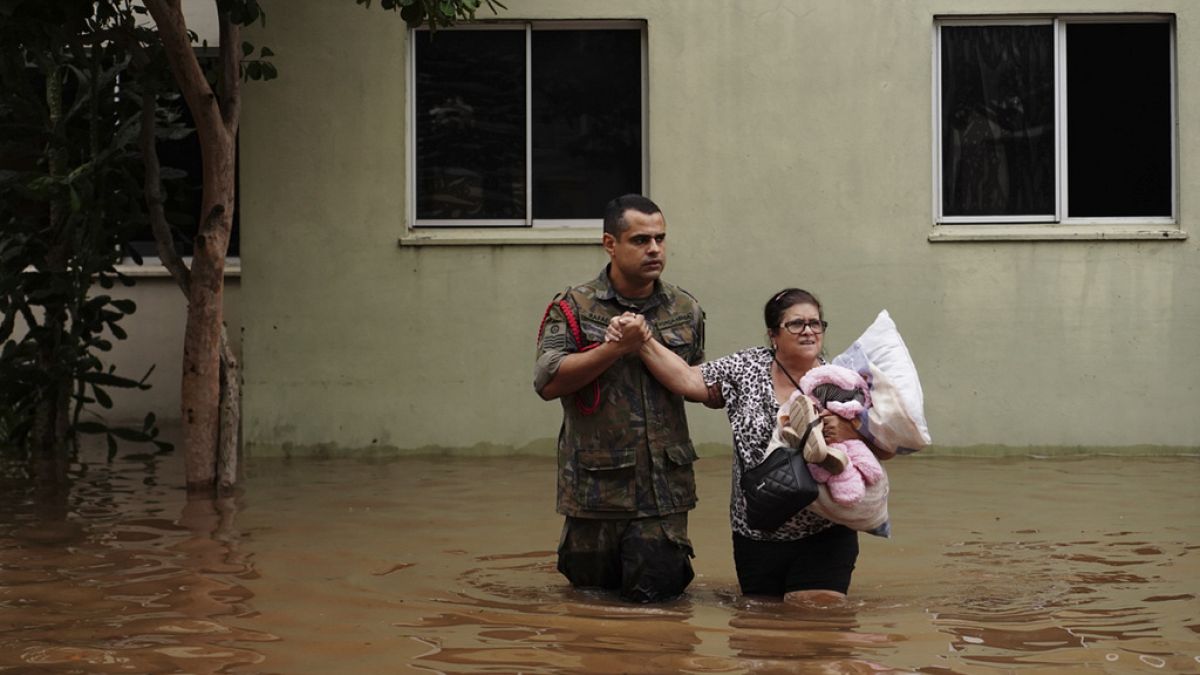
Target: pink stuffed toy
x,y
844,393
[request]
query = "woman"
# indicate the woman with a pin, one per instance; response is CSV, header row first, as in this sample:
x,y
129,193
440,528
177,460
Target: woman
x,y
807,559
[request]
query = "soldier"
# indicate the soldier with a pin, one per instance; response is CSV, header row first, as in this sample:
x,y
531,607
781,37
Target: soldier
x,y
625,480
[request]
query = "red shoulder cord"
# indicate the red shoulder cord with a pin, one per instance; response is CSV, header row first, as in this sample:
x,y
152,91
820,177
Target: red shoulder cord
x,y
573,324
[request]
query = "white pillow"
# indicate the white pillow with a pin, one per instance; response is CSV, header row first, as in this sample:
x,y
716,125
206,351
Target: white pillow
x,y
896,420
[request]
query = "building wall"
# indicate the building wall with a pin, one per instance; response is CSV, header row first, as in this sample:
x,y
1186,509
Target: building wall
x,y
790,143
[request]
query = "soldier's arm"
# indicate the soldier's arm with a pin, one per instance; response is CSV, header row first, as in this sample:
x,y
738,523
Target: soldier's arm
x,y
577,370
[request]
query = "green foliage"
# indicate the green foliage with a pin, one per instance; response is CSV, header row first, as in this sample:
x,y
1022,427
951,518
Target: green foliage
x,y
435,13
72,77
70,201
258,68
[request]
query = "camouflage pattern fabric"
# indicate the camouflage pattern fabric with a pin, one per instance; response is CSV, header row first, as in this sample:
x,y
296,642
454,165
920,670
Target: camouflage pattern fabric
x,y
633,457
645,559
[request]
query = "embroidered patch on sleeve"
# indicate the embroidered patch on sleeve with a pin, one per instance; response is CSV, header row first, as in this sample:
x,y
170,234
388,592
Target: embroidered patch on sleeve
x,y
555,338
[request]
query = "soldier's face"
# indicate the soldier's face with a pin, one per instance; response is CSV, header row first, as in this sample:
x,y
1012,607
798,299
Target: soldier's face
x,y
639,254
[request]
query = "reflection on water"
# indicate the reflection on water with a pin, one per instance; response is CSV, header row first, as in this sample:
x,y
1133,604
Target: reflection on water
x,y
115,572
447,565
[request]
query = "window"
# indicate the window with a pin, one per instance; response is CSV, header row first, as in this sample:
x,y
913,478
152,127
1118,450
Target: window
x,y
525,125
1056,120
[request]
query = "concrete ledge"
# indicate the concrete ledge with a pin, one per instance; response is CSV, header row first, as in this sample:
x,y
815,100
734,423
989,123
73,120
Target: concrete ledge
x,y
495,236
1055,232
154,269
1055,452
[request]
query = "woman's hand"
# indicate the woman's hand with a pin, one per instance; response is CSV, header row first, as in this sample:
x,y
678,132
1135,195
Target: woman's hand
x,y
619,325
614,330
837,430
628,331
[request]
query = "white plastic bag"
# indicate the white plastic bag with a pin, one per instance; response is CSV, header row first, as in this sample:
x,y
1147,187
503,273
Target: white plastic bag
x,y
896,419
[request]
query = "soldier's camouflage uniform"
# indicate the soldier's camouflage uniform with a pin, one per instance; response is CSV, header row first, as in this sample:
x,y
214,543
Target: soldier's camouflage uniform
x,y
625,479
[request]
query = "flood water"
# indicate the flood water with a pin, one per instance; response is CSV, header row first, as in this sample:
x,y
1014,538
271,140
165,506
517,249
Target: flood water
x,y
447,565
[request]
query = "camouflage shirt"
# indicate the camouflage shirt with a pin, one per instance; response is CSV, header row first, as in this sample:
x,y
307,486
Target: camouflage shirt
x,y
633,456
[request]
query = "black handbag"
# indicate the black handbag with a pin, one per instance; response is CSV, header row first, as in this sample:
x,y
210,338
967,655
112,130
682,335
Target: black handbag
x,y
779,487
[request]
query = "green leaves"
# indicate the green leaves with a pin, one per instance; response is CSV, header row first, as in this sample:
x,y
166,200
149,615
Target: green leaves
x,y
435,13
257,68
70,200
147,434
242,12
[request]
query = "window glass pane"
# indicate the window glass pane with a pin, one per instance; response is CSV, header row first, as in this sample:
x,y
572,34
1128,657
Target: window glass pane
x,y
587,120
997,120
1119,119
470,124
182,185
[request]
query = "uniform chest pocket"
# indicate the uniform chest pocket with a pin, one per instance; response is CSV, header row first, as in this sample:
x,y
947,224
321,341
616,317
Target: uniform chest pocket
x,y
680,339
593,331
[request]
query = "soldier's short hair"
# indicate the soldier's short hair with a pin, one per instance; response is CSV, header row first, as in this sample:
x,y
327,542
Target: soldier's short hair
x,y
614,212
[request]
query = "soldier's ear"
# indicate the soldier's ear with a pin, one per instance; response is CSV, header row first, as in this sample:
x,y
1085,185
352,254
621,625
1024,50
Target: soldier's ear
x,y
609,242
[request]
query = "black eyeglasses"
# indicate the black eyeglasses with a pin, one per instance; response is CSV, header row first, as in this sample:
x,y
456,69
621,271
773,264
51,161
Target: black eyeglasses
x,y
797,326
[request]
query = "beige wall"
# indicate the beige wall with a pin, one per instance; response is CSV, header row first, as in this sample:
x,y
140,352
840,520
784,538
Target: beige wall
x,y
789,144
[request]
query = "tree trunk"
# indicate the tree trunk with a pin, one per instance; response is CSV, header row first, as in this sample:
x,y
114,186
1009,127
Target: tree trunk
x,y
230,389
216,118
231,416
51,416
201,393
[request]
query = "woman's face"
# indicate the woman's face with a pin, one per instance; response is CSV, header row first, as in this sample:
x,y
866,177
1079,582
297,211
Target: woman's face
x,y
806,344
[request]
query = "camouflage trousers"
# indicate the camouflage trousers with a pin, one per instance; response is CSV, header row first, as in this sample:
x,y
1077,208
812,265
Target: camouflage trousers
x,y
645,559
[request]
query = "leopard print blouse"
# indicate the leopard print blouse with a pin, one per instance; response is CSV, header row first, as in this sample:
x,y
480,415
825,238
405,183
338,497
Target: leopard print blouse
x,y
744,379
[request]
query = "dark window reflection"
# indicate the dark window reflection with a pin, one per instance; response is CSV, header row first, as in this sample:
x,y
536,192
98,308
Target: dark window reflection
x,y
1119,119
587,120
470,124
998,120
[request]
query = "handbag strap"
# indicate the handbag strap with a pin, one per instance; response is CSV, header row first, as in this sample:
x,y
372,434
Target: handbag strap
x,y
803,439
807,431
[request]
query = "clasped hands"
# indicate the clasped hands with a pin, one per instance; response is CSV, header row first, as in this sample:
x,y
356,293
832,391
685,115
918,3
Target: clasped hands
x,y
628,332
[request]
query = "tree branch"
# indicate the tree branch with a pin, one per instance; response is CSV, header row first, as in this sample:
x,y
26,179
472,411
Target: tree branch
x,y
173,31
163,240
230,81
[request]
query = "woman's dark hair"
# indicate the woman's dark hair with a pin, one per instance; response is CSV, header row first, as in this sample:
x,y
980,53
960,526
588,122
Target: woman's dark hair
x,y
779,303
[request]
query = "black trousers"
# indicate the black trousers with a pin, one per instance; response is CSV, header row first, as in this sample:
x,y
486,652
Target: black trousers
x,y
823,561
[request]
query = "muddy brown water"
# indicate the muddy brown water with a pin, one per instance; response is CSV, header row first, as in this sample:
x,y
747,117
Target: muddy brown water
x,y
447,565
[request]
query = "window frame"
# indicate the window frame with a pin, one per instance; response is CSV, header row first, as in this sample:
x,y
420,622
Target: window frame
x,y
529,223
1045,225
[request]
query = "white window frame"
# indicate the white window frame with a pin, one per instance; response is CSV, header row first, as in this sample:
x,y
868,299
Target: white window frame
x,y
1041,225
580,226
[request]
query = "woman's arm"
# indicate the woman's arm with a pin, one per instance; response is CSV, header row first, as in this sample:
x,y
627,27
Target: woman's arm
x,y
673,372
665,365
